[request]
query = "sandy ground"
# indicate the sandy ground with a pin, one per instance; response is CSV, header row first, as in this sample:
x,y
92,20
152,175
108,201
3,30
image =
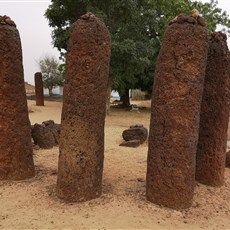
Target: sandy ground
x,y
32,204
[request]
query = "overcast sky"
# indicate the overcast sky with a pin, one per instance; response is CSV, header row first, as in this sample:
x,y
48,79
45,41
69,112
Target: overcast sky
x,y
35,33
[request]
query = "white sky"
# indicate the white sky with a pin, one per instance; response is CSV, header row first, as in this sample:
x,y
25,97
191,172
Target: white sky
x,y
35,33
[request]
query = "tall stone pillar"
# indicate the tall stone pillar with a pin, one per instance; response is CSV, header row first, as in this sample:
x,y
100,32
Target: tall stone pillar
x,y
39,94
211,150
81,156
16,161
175,114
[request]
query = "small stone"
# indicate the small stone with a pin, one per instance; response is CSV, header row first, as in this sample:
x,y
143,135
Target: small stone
x,y
140,179
87,16
173,21
181,19
191,20
201,21
195,13
132,143
10,22
42,136
136,126
54,128
135,133
168,215
46,135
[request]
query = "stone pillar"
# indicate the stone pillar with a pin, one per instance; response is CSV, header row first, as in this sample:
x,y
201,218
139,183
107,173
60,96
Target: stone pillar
x,y
16,161
39,89
81,156
211,150
174,124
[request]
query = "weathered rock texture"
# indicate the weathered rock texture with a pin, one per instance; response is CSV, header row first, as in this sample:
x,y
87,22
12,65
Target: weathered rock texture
x,y
39,89
46,135
81,156
135,133
16,160
134,136
189,19
133,143
211,150
174,125
5,20
227,163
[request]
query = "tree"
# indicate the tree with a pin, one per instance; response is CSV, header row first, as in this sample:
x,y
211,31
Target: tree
x,y
52,72
137,28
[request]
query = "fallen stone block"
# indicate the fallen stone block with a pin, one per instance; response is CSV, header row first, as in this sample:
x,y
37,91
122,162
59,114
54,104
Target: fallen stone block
x,y
137,132
132,143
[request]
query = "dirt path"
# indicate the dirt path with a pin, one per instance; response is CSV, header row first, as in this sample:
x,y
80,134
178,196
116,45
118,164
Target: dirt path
x,y
33,204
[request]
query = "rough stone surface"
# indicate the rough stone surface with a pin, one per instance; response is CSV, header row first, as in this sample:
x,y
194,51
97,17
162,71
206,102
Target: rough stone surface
x,y
135,133
195,18
16,161
81,156
54,128
211,150
132,143
46,135
5,20
174,124
39,89
227,162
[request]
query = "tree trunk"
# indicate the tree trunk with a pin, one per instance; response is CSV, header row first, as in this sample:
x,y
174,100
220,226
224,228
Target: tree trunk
x,y
50,91
108,97
125,98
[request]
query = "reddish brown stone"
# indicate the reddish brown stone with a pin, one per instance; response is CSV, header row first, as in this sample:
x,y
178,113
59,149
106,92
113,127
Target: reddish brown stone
x,y
46,135
227,163
5,20
191,19
135,133
211,150
201,21
174,125
39,89
195,18
133,143
81,156
54,128
16,161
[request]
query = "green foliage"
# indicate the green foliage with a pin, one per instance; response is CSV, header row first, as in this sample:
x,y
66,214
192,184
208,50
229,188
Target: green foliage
x,y
214,15
52,72
137,28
